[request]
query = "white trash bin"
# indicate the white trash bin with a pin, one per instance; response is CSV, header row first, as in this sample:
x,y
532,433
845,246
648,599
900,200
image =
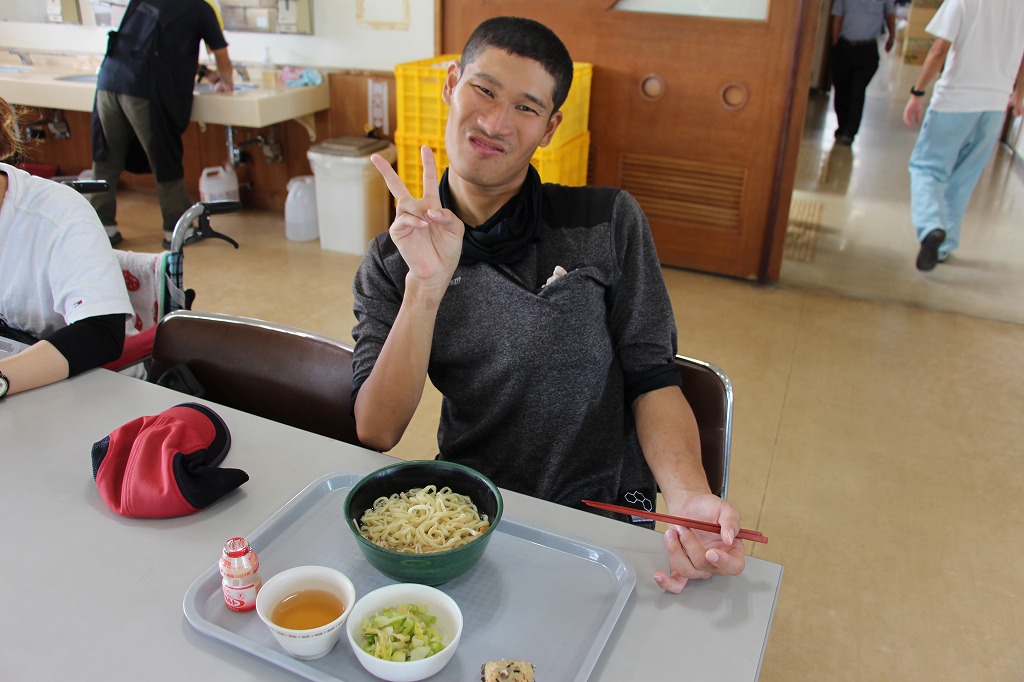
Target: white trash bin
x,y
352,200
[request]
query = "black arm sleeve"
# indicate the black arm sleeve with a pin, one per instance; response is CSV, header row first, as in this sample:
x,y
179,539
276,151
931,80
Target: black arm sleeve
x,y
91,342
652,379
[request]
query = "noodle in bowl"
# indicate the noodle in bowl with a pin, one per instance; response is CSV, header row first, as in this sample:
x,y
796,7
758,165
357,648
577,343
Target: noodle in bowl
x,y
424,521
421,520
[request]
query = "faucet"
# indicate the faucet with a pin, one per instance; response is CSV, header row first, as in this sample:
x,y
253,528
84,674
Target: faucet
x,y
243,72
26,58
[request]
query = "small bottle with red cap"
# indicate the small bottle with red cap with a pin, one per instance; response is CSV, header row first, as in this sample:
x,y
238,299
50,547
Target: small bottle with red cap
x,y
240,569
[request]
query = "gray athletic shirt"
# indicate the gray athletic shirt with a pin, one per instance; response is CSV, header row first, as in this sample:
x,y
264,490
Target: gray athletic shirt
x,y
532,376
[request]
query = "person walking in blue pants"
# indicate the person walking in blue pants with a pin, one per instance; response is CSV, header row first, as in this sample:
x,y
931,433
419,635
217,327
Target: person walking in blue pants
x,y
979,49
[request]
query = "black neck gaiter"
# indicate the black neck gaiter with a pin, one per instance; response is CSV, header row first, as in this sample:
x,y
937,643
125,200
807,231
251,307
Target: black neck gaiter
x,y
504,237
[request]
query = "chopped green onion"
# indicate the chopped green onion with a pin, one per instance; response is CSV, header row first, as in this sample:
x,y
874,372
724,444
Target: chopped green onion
x,y
402,633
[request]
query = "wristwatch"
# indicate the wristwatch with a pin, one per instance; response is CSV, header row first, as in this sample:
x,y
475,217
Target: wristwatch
x,y
915,92
5,384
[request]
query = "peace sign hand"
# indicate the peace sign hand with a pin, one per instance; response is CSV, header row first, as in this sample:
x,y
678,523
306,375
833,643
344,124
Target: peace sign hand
x,y
428,236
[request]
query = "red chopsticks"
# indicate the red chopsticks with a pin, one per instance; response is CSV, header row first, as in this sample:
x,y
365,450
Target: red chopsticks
x,y
744,534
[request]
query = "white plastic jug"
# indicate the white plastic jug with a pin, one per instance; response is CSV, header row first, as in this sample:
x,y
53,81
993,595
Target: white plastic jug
x,y
300,219
218,183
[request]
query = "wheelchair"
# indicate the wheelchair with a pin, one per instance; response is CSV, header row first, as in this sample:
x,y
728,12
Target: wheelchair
x,y
155,281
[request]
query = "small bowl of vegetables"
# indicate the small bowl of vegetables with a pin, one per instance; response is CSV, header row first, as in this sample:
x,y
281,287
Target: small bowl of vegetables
x,y
404,632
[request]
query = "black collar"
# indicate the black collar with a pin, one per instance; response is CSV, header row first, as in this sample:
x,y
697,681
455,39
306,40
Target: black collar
x,y
505,236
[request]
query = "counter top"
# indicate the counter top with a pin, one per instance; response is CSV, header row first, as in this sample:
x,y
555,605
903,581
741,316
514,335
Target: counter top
x,y
64,88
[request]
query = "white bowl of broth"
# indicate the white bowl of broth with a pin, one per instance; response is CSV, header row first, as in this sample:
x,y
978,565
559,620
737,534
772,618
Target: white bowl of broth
x,y
305,608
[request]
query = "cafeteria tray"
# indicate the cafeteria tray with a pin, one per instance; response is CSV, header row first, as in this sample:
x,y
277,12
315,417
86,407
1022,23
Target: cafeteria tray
x,y
534,595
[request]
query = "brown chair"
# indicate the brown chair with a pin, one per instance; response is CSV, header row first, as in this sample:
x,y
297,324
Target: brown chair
x,y
709,392
282,373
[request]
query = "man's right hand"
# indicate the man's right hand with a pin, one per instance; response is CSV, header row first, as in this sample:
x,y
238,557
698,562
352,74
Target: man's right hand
x,y
914,111
428,236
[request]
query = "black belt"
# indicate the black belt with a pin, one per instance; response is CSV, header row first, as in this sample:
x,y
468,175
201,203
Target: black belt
x,y
859,42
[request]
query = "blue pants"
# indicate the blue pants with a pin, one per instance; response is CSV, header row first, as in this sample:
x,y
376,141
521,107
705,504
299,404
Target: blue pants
x,y
951,152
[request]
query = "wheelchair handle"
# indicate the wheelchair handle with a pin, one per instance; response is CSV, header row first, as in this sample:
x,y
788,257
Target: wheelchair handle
x,y
89,186
203,230
215,207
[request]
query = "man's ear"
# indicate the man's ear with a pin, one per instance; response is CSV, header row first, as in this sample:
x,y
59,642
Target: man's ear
x,y
450,81
553,122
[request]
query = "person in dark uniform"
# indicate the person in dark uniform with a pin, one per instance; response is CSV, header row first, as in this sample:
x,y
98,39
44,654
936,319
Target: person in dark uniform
x,y
856,25
144,100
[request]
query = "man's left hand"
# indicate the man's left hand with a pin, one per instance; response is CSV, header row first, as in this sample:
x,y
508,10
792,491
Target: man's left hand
x,y
695,554
1017,102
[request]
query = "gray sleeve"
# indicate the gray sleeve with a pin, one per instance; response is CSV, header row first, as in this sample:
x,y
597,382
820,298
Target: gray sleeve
x,y
640,312
378,294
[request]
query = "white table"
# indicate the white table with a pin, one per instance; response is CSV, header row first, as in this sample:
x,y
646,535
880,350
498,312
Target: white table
x,y
92,595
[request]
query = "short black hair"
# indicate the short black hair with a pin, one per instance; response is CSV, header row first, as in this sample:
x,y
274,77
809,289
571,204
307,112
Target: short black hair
x,y
524,38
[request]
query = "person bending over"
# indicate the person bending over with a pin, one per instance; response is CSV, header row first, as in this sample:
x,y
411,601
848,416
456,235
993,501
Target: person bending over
x,y
143,102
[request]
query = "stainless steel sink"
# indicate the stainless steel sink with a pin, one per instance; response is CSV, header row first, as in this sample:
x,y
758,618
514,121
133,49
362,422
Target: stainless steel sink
x,y
14,69
79,78
209,87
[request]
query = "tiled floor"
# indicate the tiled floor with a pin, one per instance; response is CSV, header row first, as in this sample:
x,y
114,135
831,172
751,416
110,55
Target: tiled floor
x,y
878,410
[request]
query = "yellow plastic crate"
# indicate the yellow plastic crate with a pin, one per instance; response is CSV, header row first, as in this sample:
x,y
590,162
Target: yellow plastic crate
x,y
564,164
576,110
422,112
410,167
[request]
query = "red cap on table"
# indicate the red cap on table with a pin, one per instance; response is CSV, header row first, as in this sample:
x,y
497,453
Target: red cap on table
x,y
166,464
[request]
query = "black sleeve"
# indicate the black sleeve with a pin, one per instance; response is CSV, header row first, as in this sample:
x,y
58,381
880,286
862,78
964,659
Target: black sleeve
x,y
91,342
210,30
638,383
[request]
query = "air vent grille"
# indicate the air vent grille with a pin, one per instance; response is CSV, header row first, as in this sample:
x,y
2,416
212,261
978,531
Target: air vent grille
x,y
692,192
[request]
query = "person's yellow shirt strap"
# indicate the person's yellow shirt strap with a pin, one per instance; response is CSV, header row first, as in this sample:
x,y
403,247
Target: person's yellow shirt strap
x,y
216,10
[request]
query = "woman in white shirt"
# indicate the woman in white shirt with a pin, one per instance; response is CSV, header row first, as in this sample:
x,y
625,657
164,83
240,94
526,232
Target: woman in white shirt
x,y
60,282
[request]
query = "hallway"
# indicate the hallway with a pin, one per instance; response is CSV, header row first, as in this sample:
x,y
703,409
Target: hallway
x,y
853,233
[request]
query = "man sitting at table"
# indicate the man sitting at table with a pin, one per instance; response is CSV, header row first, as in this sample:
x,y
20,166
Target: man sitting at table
x,y
539,312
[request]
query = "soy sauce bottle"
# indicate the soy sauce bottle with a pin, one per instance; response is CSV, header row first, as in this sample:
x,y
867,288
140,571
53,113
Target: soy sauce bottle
x,y
240,571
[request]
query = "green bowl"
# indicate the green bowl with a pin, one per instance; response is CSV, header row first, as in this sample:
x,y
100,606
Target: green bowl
x,y
433,568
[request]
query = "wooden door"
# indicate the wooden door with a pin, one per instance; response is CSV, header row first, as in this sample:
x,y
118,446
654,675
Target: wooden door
x,y
711,159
